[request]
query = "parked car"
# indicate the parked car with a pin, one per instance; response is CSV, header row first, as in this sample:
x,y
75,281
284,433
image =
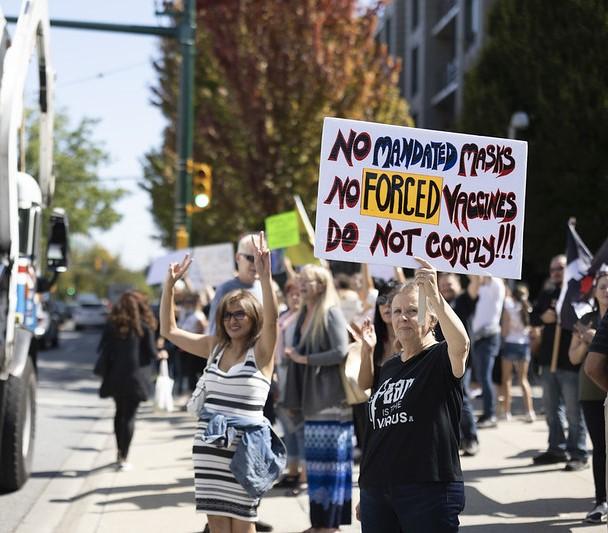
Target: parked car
x,y
90,311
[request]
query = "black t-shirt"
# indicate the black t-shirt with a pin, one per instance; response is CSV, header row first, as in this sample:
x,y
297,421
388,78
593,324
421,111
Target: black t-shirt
x,y
413,434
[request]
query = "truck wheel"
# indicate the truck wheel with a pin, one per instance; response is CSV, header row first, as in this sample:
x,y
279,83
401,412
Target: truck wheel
x,y
19,429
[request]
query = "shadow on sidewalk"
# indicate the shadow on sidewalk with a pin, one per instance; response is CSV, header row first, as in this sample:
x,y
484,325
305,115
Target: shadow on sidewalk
x,y
159,497
557,525
479,504
71,473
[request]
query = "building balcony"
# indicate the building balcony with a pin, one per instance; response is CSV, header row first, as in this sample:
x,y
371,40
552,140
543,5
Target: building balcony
x,y
445,27
447,82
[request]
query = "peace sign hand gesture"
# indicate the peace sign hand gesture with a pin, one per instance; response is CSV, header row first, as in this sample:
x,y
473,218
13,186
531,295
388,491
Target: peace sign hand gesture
x,y
261,256
177,271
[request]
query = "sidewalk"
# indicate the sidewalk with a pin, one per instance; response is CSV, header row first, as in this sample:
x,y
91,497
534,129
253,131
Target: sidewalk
x,y
504,492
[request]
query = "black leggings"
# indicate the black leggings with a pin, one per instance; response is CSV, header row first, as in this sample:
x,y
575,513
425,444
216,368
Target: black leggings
x,y
593,411
124,423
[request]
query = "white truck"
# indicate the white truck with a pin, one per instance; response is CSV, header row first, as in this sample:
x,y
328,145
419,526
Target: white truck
x,y
22,199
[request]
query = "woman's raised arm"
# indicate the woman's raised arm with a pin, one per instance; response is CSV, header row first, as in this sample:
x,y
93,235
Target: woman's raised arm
x,y
265,345
193,343
453,329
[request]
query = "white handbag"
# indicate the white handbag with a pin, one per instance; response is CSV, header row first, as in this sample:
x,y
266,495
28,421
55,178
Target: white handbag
x,y
163,391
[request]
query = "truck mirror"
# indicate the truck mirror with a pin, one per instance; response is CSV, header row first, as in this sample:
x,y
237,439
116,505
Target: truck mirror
x,y
57,248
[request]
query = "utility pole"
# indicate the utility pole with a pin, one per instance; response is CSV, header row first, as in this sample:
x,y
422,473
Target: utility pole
x,y
184,32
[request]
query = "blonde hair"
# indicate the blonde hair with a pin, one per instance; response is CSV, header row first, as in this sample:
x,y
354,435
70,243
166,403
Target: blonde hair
x,y
327,298
253,310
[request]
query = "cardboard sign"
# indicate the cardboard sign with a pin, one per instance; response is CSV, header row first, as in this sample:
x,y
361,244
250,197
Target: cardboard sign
x,y
282,230
390,193
211,265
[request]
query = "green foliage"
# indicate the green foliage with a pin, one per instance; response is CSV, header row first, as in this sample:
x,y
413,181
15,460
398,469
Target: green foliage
x,y
77,159
548,58
93,269
267,73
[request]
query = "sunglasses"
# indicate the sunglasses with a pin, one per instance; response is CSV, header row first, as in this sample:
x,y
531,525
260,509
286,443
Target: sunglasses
x,y
249,258
237,315
556,269
383,299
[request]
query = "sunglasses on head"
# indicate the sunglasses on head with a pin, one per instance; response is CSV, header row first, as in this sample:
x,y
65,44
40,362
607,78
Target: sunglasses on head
x,y
249,257
382,299
237,315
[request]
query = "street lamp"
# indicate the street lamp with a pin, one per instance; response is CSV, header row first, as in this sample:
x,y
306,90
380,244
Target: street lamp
x,y
519,121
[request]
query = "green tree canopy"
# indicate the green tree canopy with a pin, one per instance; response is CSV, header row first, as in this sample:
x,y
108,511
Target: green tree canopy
x,y
93,269
549,59
77,160
267,73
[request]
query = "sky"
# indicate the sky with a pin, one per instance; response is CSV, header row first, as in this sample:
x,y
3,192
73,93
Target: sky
x,y
108,76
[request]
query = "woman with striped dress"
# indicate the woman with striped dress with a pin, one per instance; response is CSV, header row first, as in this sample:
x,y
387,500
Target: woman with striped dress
x,y
236,385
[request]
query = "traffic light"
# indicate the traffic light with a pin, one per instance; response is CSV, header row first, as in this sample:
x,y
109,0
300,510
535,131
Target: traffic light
x,y
201,186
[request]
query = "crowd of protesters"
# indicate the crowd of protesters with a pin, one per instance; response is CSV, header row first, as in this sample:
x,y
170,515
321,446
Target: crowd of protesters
x,y
478,335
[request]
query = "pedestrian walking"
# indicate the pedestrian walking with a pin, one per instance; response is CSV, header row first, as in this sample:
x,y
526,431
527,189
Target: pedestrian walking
x,y
314,385
236,384
591,396
126,350
411,479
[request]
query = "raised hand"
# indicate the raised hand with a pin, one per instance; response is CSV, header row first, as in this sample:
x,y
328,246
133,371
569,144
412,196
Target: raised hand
x,y
177,270
261,256
368,334
426,279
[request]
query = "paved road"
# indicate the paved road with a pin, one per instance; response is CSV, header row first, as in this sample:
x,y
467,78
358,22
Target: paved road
x,y
68,407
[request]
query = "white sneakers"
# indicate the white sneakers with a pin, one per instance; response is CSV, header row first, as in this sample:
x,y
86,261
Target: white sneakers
x,y
598,514
530,417
123,466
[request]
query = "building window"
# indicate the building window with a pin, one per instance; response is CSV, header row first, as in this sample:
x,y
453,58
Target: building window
x,y
472,21
415,14
414,71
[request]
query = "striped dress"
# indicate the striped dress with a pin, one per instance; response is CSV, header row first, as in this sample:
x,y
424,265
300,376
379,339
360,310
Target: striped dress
x,y
241,391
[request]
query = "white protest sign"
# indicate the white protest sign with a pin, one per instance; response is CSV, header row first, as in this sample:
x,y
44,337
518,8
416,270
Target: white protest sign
x,y
160,266
389,193
211,265
215,263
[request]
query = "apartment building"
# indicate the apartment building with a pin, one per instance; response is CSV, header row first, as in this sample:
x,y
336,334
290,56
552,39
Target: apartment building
x,y
438,41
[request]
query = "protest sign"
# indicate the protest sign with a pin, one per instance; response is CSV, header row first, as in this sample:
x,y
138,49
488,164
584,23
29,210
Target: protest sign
x,y
211,265
282,230
390,193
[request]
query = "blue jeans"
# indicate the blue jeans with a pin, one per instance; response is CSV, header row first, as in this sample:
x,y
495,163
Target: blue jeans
x,y
412,508
560,389
468,426
485,351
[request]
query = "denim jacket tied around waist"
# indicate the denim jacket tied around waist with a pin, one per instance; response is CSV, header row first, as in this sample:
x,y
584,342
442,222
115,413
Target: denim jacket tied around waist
x,y
260,456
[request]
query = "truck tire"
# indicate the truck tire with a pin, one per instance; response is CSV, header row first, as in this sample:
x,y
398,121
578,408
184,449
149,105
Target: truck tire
x,y
19,429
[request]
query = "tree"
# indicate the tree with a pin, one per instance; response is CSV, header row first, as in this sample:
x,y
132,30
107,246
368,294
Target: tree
x,y
93,269
547,58
266,74
77,160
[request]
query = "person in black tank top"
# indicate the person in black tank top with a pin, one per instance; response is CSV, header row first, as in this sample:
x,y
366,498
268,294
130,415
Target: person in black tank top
x,y
410,476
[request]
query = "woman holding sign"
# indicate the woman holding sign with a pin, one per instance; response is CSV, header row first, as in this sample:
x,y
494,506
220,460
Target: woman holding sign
x,y
411,478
